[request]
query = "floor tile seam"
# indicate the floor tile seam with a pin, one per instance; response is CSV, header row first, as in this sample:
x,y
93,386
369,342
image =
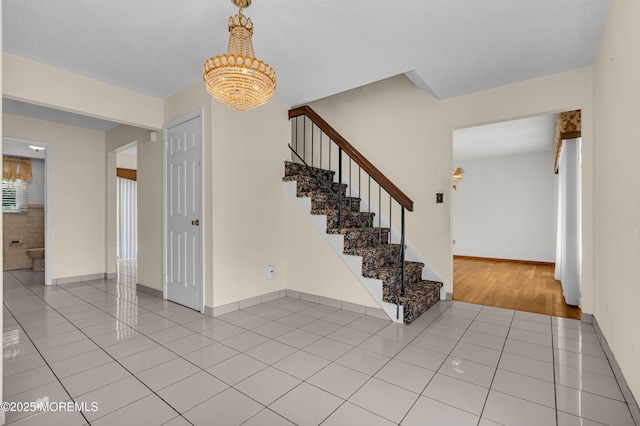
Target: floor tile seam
x,y
620,386
583,354
110,314
556,410
486,334
55,379
452,406
118,409
592,393
529,342
28,369
484,405
255,415
83,371
319,388
54,374
116,360
582,417
527,375
622,401
370,375
391,383
152,392
612,376
380,415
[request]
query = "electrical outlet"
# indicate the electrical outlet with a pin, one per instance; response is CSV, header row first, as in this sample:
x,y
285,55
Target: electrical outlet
x,y
439,197
271,272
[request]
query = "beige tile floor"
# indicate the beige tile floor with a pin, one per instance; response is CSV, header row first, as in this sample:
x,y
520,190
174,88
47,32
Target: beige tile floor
x,y
147,361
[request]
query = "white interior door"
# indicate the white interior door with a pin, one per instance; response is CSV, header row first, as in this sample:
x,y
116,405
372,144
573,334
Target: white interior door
x,y
183,235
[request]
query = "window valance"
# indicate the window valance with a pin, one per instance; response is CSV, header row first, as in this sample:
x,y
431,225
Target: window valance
x,y
14,168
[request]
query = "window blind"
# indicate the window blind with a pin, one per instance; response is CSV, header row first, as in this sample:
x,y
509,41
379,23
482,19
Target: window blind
x,y
15,196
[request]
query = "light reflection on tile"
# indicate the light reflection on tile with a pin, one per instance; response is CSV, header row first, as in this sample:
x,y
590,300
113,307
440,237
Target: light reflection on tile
x,y
291,361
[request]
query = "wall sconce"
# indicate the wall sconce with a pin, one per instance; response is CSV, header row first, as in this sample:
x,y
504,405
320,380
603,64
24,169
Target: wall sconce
x,y
457,176
37,148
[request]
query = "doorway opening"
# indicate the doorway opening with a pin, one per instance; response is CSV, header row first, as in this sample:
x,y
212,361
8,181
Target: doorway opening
x,y
27,209
127,214
505,218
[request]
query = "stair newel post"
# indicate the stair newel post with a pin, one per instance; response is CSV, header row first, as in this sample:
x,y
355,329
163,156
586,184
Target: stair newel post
x,y
339,188
402,252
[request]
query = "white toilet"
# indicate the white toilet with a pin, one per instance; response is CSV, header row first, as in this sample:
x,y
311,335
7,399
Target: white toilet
x,y
37,259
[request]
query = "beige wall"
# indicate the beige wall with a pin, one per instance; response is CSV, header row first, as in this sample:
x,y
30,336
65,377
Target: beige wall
x,y
126,162
40,84
78,201
312,265
150,211
407,134
617,185
243,224
248,217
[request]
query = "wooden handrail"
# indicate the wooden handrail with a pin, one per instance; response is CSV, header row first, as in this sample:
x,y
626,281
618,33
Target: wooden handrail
x,y
360,159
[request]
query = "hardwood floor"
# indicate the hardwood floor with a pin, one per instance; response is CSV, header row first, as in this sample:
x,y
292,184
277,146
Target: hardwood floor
x,y
522,286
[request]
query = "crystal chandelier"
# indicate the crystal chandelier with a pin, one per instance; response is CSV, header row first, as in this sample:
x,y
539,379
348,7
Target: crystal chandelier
x,y
237,78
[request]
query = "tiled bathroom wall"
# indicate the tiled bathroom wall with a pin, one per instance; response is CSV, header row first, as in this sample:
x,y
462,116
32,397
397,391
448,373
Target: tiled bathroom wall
x,y
25,228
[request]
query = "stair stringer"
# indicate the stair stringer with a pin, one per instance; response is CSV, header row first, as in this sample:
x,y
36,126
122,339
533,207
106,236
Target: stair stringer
x,y
354,263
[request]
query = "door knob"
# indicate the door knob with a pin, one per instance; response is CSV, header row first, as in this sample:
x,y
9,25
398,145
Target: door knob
x,y
195,222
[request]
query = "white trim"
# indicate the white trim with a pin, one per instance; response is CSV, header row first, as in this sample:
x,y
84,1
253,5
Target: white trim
x,y
199,113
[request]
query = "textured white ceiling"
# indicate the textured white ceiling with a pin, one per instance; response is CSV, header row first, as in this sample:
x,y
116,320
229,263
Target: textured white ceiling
x,y
318,48
534,134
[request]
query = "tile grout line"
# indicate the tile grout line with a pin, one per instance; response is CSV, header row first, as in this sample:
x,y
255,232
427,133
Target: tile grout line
x,y
496,370
102,348
47,364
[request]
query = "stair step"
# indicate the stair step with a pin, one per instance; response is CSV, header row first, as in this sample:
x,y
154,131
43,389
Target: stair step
x,y
418,298
349,219
307,186
321,201
391,274
296,169
355,238
374,258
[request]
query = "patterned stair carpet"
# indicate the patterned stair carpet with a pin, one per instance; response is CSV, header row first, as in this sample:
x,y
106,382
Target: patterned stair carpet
x,y
380,259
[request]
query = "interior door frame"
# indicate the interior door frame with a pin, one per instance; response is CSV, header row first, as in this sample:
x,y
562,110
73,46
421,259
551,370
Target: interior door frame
x,y
48,202
197,114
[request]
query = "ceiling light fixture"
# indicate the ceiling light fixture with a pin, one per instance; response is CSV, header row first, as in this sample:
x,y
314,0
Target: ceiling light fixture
x,y
457,176
237,78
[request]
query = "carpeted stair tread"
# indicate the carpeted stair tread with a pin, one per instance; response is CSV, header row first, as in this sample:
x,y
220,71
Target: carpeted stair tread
x,y
330,201
297,169
379,258
391,274
408,266
418,298
348,220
